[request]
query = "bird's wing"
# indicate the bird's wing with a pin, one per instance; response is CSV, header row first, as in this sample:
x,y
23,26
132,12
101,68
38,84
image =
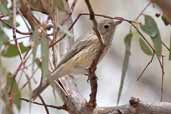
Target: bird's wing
x,y
77,47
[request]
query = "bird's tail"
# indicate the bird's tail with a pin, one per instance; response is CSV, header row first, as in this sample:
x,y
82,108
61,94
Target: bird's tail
x,y
54,76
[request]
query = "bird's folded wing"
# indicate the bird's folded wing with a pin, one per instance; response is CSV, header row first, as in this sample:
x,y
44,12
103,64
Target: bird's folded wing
x,y
78,47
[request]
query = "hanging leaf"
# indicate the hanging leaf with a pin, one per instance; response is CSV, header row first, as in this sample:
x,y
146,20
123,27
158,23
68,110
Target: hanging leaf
x,y
3,8
15,93
11,50
3,38
40,38
9,22
145,48
127,41
45,55
150,27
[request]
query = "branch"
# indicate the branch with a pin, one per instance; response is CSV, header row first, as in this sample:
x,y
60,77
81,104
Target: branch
x,y
75,103
92,69
49,106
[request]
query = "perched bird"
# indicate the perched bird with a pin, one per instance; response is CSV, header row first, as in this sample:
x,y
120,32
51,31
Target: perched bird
x,y
82,54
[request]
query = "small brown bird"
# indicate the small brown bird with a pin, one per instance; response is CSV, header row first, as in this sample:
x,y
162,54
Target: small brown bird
x,y
82,54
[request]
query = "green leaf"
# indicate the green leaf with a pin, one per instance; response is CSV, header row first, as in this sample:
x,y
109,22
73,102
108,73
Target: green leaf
x,y
11,50
9,22
3,8
145,48
150,27
15,93
45,55
43,41
35,41
3,37
127,41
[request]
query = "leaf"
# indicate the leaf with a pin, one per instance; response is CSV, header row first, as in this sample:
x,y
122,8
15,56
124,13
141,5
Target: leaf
x,y
150,27
15,93
145,48
9,22
35,43
3,8
3,38
11,50
45,55
127,41
43,41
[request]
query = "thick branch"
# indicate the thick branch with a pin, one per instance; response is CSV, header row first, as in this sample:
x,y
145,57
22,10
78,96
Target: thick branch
x,y
76,104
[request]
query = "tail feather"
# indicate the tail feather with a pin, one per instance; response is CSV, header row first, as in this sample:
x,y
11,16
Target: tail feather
x,y
54,76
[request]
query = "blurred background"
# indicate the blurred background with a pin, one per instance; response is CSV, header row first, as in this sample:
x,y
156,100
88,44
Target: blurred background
x,y
109,69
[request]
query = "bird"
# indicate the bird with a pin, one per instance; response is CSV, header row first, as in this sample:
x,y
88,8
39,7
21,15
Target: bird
x,y
81,55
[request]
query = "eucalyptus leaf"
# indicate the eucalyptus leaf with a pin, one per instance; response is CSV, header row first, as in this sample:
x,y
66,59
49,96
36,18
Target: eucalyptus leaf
x,y
13,88
145,48
150,27
45,55
3,8
9,22
41,39
11,50
127,41
3,38
35,41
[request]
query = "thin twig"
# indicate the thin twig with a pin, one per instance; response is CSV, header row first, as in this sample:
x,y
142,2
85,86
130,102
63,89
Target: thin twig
x,y
73,5
88,14
93,19
20,38
50,106
14,30
141,13
92,69
142,72
18,31
143,37
162,81
22,63
44,104
162,69
166,47
28,81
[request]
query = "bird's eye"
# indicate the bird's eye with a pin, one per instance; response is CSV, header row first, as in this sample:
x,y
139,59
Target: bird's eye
x,y
106,26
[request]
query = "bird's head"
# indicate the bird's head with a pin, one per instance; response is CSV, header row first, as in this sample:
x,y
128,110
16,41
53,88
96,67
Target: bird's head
x,y
106,29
